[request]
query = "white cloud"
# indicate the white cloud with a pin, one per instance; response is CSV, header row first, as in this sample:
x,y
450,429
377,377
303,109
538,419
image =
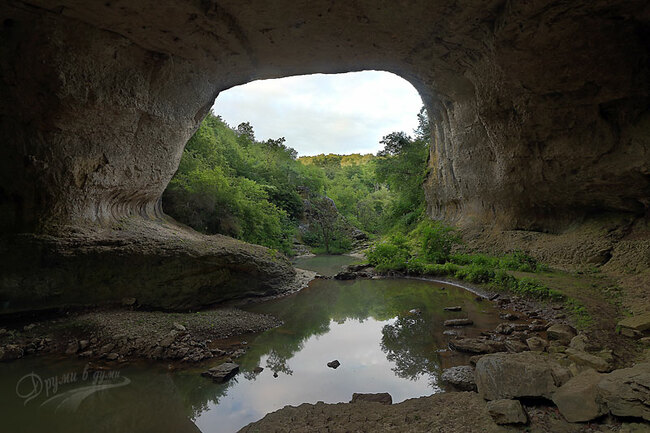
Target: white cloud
x,y
342,113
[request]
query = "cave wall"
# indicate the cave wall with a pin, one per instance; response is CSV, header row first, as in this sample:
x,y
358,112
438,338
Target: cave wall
x,y
540,108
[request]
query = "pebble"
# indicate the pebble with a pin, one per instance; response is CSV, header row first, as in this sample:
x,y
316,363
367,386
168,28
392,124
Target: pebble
x,y
334,364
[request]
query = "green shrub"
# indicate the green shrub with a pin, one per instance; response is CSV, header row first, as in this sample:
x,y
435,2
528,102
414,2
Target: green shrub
x,y
435,240
520,261
390,255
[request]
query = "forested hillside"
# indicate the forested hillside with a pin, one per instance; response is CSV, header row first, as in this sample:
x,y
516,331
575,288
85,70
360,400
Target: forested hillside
x,y
260,192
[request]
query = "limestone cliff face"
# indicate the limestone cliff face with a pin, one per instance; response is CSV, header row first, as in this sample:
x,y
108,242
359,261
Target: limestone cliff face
x,y
540,108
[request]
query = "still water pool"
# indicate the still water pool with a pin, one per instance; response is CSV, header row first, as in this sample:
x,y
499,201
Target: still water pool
x,y
368,325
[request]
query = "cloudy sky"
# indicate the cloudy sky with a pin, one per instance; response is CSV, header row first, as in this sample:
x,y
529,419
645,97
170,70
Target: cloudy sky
x,y
342,113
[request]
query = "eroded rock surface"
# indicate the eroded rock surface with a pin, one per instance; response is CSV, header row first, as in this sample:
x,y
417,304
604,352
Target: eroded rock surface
x,y
539,109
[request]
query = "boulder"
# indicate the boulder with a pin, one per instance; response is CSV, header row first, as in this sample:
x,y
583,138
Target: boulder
x,y
588,360
537,344
561,332
514,375
476,345
222,373
462,377
458,322
507,412
635,326
579,400
579,342
626,392
381,397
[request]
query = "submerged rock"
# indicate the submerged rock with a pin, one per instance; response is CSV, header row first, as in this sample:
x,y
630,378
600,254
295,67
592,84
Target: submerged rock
x,y
462,377
458,322
382,397
507,412
222,373
477,345
334,364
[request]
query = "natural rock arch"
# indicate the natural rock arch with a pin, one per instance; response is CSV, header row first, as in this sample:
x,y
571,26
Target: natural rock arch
x,y
540,109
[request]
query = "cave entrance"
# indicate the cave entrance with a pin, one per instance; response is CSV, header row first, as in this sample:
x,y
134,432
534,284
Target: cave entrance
x,y
309,160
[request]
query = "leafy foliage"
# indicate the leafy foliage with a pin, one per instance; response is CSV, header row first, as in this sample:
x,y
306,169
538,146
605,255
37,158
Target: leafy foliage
x,y
229,183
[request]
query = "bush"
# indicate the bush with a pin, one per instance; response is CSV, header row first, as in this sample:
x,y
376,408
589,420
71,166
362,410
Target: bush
x,y
520,261
435,240
390,255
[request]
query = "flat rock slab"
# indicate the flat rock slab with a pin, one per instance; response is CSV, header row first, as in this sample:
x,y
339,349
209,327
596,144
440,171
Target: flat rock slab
x,y
578,400
458,322
222,373
507,412
477,345
639,323
626,392
381,397
452,412
587,359
514,375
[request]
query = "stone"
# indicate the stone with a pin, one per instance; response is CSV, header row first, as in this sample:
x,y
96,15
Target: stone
x,y
515,346
561,332
415,311
179,327
476,345
508,316
579,399
107,348
169,338
86,354
640,322
345,275
626,392
72,348
29,327
461,377
128,302
382,398
645,341
579,342
83,344
10,352
516,375
458,322
258,370
634,427
507,412
334,364
112,356
454,308
537,344
588,360
504,328
222,373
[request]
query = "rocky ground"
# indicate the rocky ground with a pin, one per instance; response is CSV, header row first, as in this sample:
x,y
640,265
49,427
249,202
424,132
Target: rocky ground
x,y
122,335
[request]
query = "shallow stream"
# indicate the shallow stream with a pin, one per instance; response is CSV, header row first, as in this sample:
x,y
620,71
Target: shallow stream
x,y
387,334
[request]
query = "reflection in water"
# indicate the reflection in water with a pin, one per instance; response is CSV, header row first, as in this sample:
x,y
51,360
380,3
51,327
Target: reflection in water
x,y
365,324
325,265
